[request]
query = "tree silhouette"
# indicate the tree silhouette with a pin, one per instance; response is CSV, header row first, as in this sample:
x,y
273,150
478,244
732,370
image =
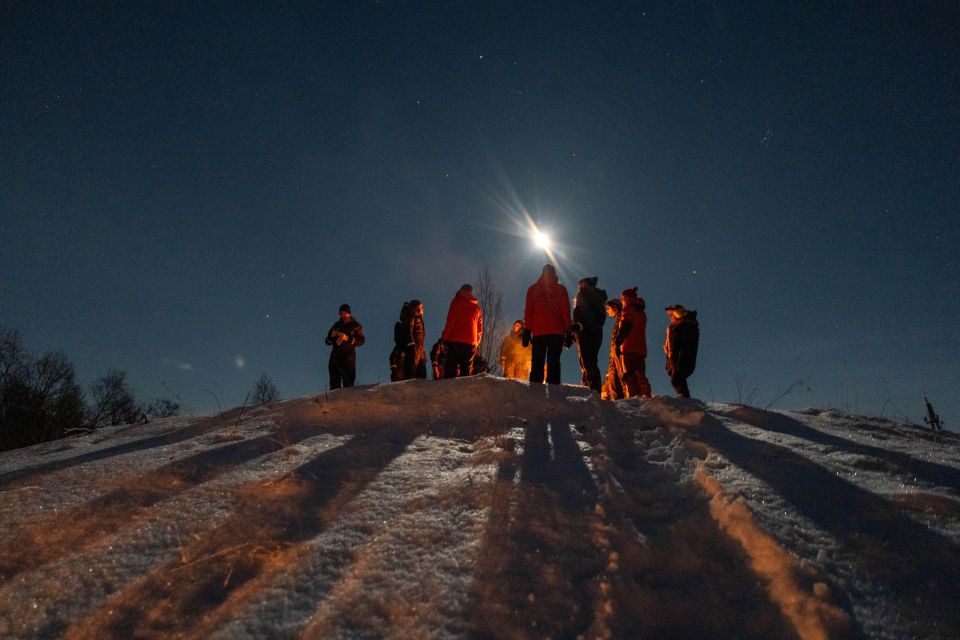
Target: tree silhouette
x,y
265,391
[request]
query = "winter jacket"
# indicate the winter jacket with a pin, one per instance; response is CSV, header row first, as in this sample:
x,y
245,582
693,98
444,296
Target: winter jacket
x,y
589,307
547,308
352,336
513,355
464,320
632,329
683,339
409,334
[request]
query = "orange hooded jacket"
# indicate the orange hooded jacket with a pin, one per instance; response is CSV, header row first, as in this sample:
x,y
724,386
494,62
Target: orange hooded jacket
x,y
464,320
547,308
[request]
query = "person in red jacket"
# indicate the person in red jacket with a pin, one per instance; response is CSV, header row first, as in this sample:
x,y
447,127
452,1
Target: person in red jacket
x,y
547,316
462,333
631,342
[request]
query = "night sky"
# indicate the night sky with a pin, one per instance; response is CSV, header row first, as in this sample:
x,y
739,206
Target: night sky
x,y
189,192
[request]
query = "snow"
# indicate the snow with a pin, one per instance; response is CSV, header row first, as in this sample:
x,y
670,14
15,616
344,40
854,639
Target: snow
x,y
484,507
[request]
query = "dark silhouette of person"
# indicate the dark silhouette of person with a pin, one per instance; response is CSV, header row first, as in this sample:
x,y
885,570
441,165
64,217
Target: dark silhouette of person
x,y
344,336
589,310
680,347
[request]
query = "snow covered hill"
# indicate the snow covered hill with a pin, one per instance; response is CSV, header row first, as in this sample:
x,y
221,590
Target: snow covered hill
x,y
482,507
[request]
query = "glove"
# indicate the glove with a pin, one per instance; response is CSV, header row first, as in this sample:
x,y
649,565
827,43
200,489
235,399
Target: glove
x,y
567,339
340,338
525,338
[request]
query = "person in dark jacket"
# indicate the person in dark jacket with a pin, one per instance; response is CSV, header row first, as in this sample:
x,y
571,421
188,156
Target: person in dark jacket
x,y
632,344
588,310
344,336
462,333
613,383
410,359
546,315
397,354
438,356
680,347
514,357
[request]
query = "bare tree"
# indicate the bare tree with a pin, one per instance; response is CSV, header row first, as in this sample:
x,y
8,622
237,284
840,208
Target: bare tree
x,y
112,401
265,391
491,305
39,400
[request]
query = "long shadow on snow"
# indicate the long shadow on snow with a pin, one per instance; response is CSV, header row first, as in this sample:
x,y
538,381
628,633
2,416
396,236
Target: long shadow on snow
x,y
37,543
687,578
769,421
920,567
163,440
538,561
177,597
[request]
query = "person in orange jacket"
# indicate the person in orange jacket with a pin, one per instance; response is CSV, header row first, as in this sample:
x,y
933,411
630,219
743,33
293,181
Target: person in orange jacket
x,y
547,316
631,342
462,333
613,384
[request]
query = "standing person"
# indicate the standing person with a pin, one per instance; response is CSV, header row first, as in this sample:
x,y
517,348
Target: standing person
x,y
344,336
683,339
462,333
613,384
514,356
632,343
438,354
397,355
547,316
409,336
588,310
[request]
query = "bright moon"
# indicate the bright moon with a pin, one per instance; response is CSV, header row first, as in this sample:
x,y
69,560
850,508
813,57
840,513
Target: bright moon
x,y
541,240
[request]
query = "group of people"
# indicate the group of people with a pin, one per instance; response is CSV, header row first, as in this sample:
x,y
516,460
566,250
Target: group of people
x,y
531,351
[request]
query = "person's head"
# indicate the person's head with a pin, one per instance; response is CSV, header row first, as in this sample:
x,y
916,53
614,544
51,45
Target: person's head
x,y
676,312
587,282
466,289
344,311
628,296
416,307
517,326
614,307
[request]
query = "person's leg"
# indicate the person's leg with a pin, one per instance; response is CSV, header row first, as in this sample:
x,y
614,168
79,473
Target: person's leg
x,y
554,349
539,346
336,380
349,371
644,382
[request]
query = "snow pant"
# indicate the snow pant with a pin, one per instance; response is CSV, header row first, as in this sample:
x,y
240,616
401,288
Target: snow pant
x,y
613,384
678,380
458,360
343,368
414,364
549,348
588,346
635,381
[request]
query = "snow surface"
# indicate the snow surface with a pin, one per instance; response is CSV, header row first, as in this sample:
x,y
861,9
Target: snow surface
x,y
482,507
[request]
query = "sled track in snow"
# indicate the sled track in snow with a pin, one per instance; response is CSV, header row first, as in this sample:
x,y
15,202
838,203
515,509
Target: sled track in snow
x,y
450,509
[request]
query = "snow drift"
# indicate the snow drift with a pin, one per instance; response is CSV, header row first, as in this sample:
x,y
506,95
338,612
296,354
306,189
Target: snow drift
x,y
481,507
